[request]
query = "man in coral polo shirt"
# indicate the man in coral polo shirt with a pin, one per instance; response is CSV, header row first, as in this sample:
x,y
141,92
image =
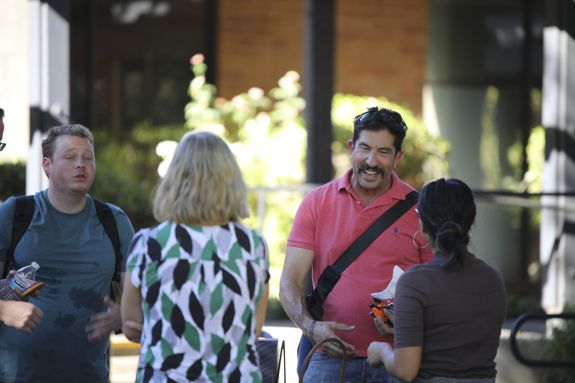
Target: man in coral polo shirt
x,y
328,220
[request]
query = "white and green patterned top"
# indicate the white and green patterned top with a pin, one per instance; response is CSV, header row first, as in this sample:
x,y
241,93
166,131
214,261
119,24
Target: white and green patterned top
x,y
200,288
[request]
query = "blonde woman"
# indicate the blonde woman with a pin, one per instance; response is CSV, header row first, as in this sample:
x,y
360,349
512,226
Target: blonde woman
x,y
198,281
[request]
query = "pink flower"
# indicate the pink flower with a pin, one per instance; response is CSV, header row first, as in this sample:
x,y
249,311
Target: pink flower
x,y
198,58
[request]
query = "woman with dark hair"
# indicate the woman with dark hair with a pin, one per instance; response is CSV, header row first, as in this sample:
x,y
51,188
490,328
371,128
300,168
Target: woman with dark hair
x,y
448,312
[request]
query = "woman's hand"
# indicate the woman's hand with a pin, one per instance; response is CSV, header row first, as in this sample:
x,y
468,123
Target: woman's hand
x,y
375,353
134,328
384,327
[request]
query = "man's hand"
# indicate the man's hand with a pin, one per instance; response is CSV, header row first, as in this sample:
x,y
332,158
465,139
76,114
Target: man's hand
x,y
381,325
9,294
320,330
102,324
20,315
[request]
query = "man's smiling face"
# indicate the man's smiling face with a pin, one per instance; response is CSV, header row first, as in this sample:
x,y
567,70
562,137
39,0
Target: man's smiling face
x,y
373,158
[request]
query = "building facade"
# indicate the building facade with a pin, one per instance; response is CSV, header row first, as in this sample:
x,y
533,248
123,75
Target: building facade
x,y
482,73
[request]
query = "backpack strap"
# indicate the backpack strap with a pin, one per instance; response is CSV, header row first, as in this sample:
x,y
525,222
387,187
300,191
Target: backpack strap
x,y
22,217
111,228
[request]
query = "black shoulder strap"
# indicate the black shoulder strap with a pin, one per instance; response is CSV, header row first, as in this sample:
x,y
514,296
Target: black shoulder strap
x,y
22,217
332,273
111,228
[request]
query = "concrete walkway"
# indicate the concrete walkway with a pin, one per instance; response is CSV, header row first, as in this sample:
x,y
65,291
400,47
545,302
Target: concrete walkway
x,y
125,357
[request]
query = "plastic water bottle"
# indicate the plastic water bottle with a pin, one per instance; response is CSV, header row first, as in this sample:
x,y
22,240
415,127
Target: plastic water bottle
x,y
24,277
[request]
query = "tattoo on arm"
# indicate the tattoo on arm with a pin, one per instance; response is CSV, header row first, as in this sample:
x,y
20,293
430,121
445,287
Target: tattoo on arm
x,y
310,335
300,317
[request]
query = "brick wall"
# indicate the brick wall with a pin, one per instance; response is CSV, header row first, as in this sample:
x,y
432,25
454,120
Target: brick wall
x,y
381,49
380,46
258,42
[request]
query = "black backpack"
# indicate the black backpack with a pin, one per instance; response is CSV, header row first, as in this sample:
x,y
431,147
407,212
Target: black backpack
x,y
23,216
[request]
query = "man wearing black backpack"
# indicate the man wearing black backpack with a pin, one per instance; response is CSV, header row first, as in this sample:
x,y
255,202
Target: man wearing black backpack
x,y
80,250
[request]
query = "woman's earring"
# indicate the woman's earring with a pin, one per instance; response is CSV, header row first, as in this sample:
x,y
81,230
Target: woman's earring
x,y
419,237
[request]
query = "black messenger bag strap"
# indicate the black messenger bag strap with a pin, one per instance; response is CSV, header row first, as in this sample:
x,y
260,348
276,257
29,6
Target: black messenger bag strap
x,y
332,273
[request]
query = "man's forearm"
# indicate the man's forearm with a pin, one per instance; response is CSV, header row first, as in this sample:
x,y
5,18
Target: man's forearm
x,y
293,302
297,266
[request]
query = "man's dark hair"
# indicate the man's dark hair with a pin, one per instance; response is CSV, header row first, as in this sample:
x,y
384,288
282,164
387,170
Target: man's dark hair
x,y
1,113
381,119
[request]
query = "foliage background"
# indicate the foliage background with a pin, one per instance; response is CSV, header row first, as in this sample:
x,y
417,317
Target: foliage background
x,y
266,131
561,347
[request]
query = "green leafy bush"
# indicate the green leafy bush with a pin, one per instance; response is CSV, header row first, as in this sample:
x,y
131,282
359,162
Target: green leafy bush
x,y
267,134
127,169
520,304
425,155
561,347
12,179
266,131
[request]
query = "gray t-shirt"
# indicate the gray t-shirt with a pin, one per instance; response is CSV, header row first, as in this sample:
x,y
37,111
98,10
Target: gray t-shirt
x,y
455,315
77,262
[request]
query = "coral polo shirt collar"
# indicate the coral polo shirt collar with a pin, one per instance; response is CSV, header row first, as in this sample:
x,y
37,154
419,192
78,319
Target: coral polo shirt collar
x,y
397,191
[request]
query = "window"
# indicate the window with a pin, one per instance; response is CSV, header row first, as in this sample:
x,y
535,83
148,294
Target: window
x,y
130,59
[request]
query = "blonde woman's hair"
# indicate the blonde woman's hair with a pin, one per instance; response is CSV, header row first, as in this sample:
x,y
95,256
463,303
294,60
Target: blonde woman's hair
x,y
203,185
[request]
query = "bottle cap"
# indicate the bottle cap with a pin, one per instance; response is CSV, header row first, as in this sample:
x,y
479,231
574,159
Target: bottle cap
x,y
35,265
